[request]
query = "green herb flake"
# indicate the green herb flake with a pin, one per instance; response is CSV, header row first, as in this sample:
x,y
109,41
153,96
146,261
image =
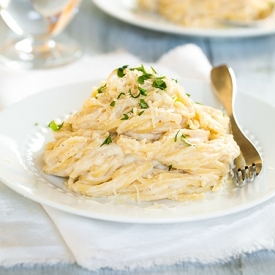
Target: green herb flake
x,y
125,117
170,167
113,103
108,140
154,71
100,89
140,113
175,98
160,84
184,138
54,126
133,96
120,71
142,91
188,95
143,104
176,136
141,69
120,95
142,78
36,124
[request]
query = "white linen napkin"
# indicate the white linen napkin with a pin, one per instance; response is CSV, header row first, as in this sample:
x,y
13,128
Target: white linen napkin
x,y
61,237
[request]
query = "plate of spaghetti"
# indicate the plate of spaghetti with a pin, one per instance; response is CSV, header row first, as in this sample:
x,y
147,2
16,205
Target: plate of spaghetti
x,y
138,146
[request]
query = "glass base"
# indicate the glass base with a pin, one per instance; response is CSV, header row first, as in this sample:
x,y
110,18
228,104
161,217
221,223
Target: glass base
x,y
30,54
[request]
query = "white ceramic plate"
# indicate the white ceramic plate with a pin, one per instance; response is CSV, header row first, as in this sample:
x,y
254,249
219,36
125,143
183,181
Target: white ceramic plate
x,y
24,132
126,11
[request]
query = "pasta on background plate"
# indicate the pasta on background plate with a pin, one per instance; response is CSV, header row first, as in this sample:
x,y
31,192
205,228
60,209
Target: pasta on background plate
x,y
208,13
140,136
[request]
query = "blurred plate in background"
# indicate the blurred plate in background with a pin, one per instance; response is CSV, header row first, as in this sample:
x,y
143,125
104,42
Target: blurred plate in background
x,y
127,11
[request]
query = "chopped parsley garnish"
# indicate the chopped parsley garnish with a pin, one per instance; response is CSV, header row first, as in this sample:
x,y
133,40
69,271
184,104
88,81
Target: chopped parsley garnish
x,y
133,96
142,91
120,71
120,95
113,103
170,167
145,75
176,136
140,113
175,80
153,70
108,140
175,98
188,95
141,69
159,83
143,104
186,140
54,126
125,117
100,89
142,78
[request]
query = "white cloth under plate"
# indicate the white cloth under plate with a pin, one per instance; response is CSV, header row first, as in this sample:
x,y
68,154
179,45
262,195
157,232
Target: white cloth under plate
x,y
30,235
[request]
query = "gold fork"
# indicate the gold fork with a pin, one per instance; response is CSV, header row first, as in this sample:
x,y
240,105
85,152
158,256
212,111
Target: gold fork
x,y
249,164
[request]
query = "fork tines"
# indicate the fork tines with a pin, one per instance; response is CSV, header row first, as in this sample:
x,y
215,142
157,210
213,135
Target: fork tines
x,y
243,176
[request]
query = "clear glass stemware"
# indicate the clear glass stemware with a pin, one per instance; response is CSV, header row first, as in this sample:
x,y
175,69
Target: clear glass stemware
x,y
37,25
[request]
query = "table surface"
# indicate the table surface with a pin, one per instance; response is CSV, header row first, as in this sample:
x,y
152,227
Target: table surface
x,y
253,60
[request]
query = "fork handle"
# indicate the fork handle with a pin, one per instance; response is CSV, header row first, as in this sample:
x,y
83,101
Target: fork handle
x,y
224,86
